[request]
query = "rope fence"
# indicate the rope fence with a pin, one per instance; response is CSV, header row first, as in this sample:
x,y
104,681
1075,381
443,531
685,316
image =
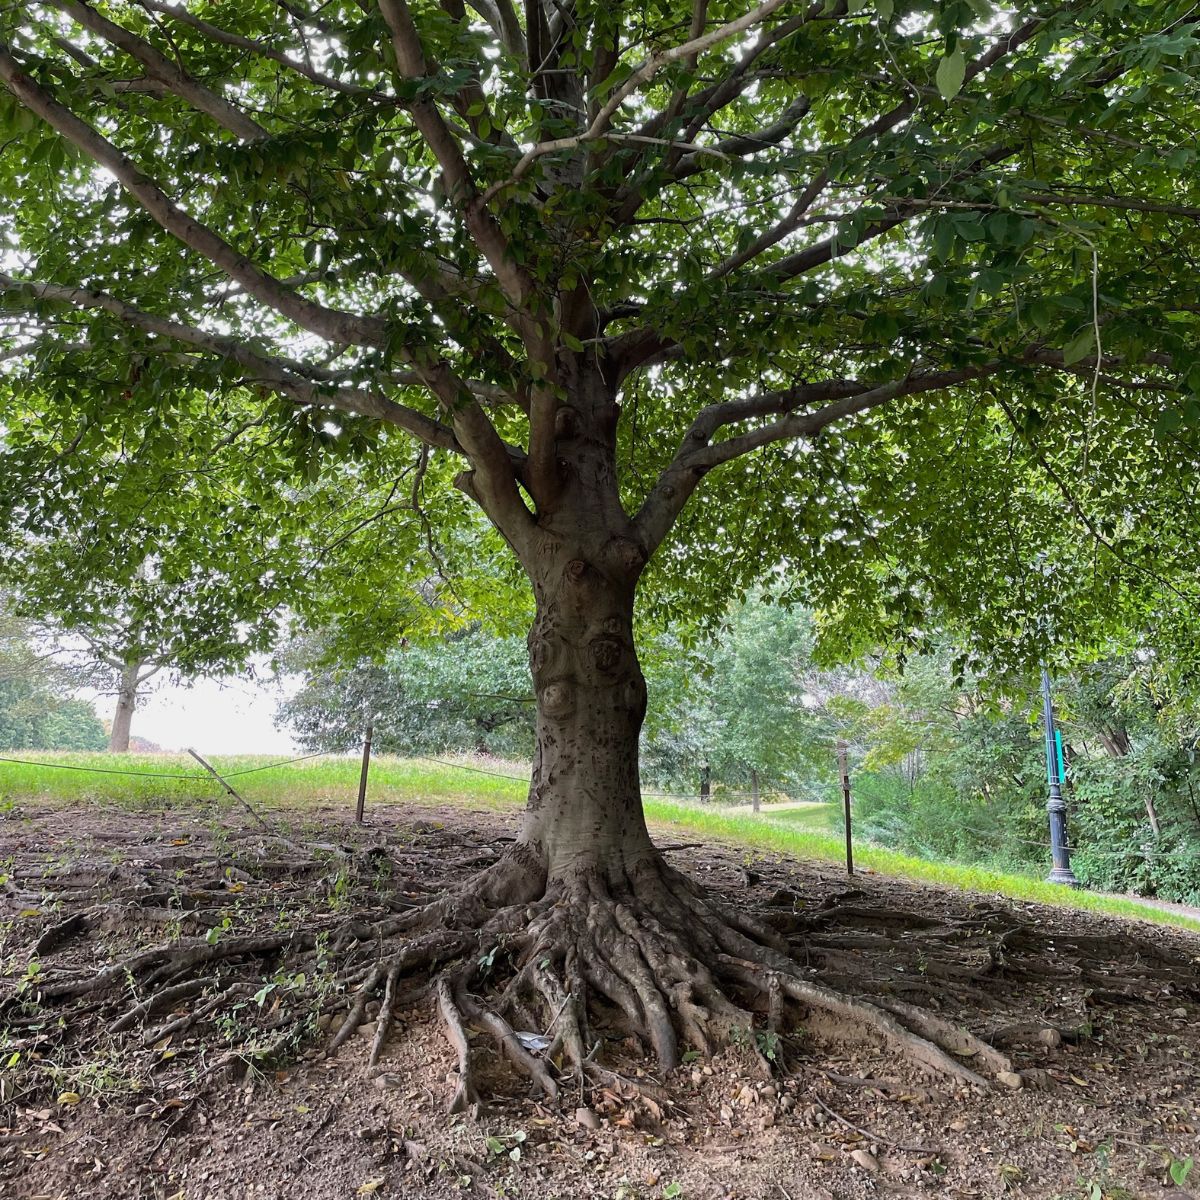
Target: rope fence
x,y
192,775
199,777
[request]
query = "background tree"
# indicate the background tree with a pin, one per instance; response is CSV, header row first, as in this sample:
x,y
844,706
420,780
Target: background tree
x,y
917,277
37,709
764,732
467,690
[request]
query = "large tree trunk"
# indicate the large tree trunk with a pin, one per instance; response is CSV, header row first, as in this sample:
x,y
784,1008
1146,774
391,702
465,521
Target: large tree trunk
x,y
585,803
118,741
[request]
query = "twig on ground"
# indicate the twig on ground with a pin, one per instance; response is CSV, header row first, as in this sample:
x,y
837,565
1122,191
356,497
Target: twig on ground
x,y
875,1137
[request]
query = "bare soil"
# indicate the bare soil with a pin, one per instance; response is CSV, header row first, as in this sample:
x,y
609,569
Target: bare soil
x,y
1100,1018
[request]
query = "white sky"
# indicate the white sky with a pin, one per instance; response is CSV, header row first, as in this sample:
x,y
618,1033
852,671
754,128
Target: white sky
x,y
231,716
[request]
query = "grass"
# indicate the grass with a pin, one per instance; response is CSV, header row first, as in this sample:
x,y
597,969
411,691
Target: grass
x,y
800,833
312,783
819,818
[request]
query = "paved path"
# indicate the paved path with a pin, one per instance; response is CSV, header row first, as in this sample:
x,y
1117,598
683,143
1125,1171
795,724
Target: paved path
x,y
1181,910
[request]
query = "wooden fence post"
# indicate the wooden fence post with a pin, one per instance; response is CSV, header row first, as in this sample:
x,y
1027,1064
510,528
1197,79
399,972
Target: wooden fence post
x,y
362,779
844,772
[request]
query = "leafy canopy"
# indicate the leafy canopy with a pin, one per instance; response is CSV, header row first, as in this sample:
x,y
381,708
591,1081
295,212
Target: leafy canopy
x,y
916,277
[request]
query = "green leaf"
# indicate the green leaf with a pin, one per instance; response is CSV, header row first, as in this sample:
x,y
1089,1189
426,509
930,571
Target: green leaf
x,y
1169,421
950,73
1080,346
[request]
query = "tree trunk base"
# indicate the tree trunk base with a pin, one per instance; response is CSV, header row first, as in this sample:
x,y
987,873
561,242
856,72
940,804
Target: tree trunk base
x,y
250,967
550,972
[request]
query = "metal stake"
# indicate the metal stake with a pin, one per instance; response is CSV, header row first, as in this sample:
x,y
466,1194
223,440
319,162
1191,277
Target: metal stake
x,y
362,779
844,771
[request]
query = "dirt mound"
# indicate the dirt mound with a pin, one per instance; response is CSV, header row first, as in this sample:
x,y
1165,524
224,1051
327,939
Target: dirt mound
x,y
1078,1037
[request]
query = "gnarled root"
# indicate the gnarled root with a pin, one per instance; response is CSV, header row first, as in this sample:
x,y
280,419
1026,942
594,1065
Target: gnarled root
x,y
647,955
545,970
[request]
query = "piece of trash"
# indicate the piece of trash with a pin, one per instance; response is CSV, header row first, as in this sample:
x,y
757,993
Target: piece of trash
x,y
536,1042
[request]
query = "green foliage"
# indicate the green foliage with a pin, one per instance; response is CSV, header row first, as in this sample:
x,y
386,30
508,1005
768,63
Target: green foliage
x,y
1135,778
893,192
732,702
957,773
468,691
36,708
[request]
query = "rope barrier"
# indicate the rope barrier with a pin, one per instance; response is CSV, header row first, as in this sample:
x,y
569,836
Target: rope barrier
x,y
1144,852
196,775
26,762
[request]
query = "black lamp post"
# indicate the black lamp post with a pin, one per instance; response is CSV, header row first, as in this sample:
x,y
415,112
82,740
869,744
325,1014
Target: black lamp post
x,y
1056,806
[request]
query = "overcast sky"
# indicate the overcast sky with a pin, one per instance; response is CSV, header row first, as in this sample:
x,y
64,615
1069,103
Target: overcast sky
x,y
232,716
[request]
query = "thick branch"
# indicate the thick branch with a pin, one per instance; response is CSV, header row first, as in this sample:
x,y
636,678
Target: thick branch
x,y
697,455
165,72
282,375
331,324
410,58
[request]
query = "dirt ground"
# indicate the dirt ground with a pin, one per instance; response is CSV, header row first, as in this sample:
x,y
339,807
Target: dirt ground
x,y
1100,1018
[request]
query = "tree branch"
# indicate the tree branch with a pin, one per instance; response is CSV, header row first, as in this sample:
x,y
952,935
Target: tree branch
x,y
697,455
280,375
331,324
165,72
410,58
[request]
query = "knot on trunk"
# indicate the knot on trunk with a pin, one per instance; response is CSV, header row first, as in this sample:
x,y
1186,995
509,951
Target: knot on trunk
x,y
606,651
558,699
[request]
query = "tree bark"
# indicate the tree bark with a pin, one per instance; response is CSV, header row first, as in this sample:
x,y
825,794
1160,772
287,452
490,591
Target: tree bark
x,y
118,741
583,559
755,799
705,783
585,803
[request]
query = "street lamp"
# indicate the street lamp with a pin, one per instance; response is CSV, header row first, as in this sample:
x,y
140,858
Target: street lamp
x,y
1056,806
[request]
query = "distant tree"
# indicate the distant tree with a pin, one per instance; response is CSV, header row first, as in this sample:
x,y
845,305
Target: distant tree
x,y
762,731
467,690
72,725
36,708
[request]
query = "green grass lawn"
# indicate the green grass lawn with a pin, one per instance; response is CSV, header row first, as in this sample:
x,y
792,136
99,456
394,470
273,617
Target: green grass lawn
x,y
801,833
819,818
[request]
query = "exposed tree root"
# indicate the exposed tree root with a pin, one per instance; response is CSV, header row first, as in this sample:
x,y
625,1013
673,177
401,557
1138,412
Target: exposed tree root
x,y
550,972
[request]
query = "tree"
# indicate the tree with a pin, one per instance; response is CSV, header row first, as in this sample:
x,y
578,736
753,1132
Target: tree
x,y
914,280
764,730
468,690
36,708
